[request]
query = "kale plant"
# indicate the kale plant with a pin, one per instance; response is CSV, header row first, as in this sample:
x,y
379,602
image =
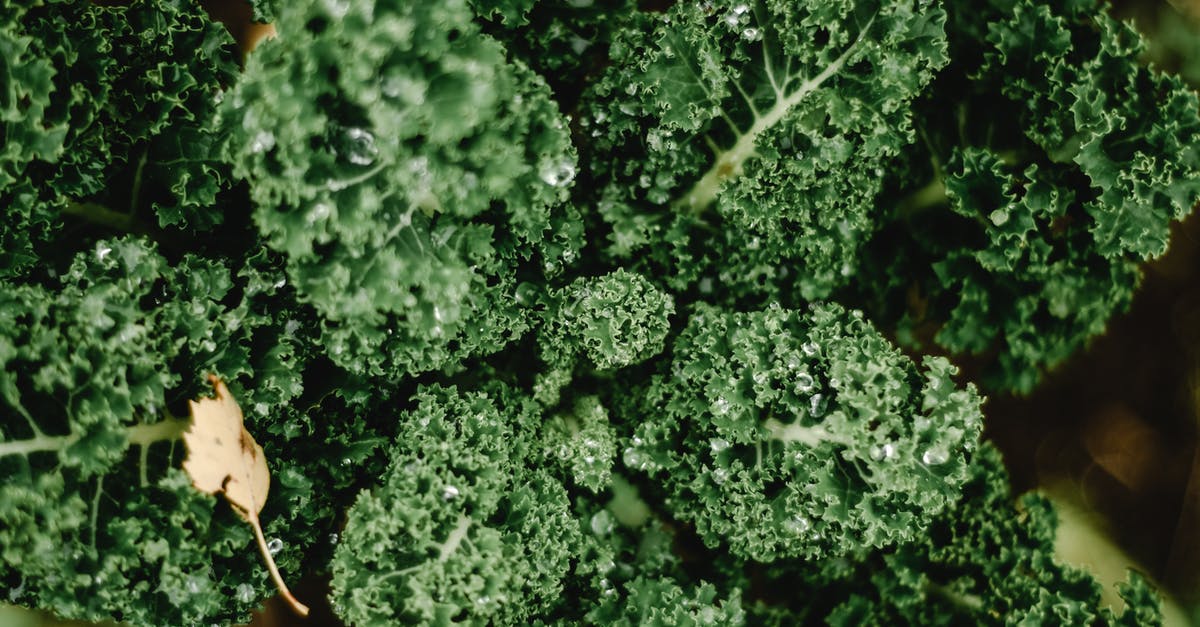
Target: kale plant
x,y
544,311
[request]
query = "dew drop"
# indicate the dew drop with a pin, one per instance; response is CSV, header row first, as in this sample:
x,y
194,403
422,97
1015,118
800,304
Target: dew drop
x,y
809,348
720,476
718,444
879,453
450,493
935,456
817,405
334,538
797,525
244,593
720,406
319,212
804,382
635,459
558,174
275,545
602,523
359,146
751,34
102,251
741,9
262,142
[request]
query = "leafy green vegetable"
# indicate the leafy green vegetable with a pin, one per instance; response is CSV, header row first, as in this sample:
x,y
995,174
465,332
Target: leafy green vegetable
x,y
552,312
787,435
761,132
1051,163
112,105
986,560
408,190
94,520
460,527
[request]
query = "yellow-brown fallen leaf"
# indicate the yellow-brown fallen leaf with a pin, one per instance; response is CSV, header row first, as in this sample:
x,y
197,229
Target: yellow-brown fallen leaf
x,y
222,457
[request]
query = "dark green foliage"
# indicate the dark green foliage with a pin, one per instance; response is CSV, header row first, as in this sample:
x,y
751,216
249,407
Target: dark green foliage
x,y
639,580
781,434
545,312
611,321
408,189
987,560
92,526
112,105
460,528
761,132
1051,164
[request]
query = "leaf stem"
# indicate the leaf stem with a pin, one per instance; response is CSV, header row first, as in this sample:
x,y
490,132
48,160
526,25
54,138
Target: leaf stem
x,y
729,164
99,214
135,435
457,534
298,607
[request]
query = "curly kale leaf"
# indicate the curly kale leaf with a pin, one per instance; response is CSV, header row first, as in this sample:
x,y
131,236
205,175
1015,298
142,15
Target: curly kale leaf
x,y
461,527
111,105
1052,164
94,520
986,560
627,570
561,41
611,321
407,189
783,434
744,141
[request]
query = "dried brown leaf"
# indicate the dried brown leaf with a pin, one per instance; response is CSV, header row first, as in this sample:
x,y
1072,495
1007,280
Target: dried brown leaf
x,y
223,458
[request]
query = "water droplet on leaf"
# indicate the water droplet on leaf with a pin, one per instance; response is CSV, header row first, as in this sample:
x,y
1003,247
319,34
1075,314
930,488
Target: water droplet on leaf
x,y
635,459
797,525
935,456
602,523
244,593
817,405
262,142
358,146
558,174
